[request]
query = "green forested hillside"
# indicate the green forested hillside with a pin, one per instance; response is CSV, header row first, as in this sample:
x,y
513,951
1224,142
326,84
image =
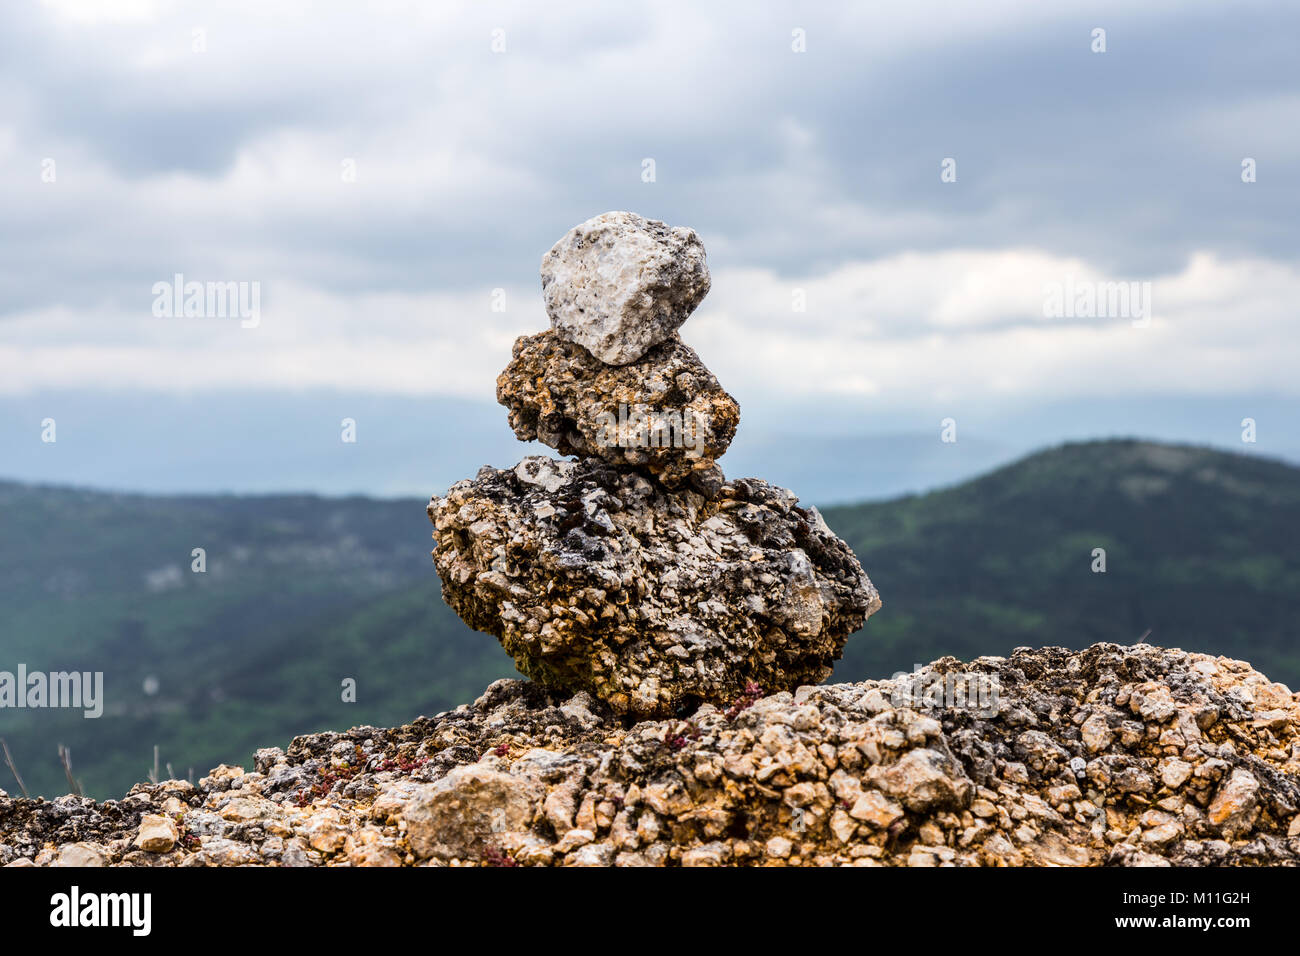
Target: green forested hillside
x,y
1202,552
302,592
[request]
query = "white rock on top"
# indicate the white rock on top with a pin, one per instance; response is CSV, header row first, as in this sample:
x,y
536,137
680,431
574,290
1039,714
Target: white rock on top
x,y
620,284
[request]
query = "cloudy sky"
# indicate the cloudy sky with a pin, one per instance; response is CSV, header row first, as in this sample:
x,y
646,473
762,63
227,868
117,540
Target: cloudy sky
x,y
380,169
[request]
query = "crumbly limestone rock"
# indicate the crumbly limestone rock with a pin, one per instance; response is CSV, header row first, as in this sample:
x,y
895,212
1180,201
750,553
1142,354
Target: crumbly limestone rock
x,y
619,284
664,412
597,579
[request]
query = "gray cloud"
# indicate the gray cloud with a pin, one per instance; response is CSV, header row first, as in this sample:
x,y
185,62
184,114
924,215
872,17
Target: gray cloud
x,y
794,162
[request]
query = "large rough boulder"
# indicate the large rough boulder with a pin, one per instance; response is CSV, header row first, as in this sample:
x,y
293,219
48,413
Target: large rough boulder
x,y
599,579
665,411
619,284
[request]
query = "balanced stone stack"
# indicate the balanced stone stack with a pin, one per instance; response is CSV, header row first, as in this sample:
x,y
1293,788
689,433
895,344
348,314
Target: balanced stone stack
x,y
637,572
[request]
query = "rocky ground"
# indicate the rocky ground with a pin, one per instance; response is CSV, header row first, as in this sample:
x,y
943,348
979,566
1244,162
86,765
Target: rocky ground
x,y
1111,755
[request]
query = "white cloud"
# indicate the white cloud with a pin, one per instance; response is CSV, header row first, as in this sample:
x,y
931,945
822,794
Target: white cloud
x,y
908,330
915,328
107,11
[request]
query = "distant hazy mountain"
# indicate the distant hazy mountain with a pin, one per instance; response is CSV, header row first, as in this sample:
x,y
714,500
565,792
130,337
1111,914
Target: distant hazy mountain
x,y
827,452
301,593
838,469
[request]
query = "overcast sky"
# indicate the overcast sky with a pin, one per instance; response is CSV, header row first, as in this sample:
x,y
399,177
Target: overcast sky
x,y
212,140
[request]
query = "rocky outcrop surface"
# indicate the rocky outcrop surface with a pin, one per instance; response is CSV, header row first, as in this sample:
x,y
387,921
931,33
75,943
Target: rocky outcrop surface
x,y
600,580
1122,756
619,284
665,411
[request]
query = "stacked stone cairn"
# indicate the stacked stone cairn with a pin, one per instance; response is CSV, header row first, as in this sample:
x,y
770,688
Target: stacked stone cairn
x,y
637,572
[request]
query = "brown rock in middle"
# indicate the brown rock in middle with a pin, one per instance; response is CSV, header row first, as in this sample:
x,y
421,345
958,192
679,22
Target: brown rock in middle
x,y
665,411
